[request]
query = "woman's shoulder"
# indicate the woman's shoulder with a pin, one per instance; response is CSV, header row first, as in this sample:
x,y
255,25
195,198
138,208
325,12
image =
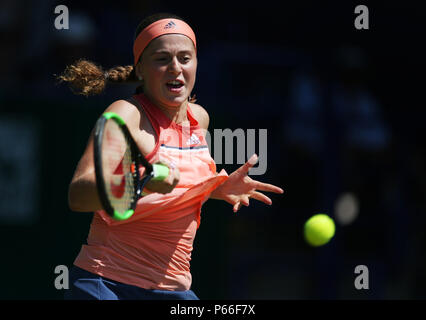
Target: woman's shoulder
x,y
124,107
200,114
127,110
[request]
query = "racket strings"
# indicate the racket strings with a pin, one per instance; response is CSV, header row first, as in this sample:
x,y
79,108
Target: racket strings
x,y
117,164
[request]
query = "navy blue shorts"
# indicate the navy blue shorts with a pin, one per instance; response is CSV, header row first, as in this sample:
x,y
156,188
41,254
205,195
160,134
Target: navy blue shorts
x,y
85,285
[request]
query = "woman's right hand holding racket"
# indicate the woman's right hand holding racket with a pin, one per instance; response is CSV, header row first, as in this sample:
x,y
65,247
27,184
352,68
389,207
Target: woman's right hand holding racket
x,y
166,185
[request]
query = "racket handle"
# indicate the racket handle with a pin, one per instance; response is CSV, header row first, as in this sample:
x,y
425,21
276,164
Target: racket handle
x,y
160,171
123,215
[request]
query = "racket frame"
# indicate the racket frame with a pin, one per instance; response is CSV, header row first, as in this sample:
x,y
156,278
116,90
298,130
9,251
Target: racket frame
x,y
137,160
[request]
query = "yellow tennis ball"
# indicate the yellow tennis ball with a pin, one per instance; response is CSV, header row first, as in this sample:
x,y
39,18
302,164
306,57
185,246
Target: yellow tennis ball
x,y
319,229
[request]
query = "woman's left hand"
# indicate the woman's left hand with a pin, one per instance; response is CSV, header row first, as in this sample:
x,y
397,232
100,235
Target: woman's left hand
x,y
239,188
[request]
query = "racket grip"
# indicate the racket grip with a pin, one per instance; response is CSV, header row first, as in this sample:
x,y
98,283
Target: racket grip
x,y
161,172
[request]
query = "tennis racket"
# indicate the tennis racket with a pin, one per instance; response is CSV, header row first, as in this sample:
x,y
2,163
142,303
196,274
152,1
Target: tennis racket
x,y
117,163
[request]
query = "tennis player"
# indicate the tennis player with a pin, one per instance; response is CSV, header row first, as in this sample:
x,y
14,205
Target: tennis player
x,y
148,256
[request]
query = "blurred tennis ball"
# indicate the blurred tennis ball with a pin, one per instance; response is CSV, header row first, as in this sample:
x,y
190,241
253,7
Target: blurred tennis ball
x,y
319,229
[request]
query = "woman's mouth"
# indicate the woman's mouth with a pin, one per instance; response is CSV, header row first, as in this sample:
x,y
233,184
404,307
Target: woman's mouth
x,y
175,86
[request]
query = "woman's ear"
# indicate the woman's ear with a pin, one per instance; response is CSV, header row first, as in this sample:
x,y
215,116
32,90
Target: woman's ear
x,y
138,71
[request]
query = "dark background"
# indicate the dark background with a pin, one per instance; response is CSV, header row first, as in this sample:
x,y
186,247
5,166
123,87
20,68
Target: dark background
x,y
344,112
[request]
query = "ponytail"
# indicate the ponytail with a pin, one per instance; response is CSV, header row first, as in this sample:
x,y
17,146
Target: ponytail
x,y
86,78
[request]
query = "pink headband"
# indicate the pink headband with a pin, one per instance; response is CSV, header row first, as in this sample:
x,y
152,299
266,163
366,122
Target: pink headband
x,y
158,28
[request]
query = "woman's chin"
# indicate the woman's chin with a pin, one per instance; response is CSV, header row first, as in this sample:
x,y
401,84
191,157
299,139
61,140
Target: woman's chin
x,y
174,101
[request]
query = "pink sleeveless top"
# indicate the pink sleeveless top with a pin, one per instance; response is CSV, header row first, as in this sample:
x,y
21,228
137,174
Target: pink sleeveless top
x,y
152,249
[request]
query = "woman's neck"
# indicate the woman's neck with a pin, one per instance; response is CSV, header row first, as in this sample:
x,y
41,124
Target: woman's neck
x,y
176,114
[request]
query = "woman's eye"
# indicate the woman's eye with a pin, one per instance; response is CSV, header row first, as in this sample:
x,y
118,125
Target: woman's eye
x,y
161,58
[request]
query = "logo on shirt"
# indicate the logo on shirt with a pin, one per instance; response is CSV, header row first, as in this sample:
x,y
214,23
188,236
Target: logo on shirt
x,y
170,25
193,140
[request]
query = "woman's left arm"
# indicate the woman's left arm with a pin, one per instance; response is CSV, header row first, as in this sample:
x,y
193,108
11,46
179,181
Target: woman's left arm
x,y
239,187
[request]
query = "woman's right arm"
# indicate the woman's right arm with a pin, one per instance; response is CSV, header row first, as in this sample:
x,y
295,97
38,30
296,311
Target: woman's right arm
x,y
82,191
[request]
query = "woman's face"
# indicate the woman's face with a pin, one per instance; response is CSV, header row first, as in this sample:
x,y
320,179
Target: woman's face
x,y
168,67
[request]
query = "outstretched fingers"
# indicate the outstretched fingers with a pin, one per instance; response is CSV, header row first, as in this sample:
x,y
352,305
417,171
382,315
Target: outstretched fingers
x,y
267,187
243,201
244,169
261,197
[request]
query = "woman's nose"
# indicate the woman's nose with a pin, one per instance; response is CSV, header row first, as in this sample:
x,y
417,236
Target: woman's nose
x,y
175,66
